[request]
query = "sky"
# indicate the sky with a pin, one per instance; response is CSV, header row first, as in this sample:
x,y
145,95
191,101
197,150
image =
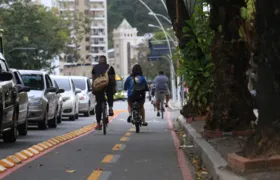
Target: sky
x,y
46,2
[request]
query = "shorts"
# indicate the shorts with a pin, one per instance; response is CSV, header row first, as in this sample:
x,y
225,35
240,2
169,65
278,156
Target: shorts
x,y
161,94
137,98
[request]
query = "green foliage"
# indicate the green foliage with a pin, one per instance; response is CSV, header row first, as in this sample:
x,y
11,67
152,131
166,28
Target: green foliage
x,y
196,65
29,26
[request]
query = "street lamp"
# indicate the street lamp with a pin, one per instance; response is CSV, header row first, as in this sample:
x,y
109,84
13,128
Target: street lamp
x,y
164,17
154,26
170,52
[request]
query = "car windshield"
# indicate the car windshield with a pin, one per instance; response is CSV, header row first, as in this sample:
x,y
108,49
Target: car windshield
x,y
80,83
34,81
63,84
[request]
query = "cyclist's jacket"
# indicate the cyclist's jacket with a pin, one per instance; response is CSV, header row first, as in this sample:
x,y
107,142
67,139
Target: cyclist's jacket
x,y
161,83
129,84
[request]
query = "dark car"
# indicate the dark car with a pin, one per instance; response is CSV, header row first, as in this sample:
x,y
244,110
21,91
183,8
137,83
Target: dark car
x,y
23,103
9,108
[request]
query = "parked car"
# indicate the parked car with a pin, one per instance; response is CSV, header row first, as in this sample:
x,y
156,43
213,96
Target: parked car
x,y
9,108
86,98
23,103
43,103
70,98
60,102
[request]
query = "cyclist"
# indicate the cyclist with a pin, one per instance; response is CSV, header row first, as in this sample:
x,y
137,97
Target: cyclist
x,y
139,95
161,86
110,90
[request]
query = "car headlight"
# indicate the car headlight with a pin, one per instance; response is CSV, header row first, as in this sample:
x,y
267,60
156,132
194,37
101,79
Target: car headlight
x,y
35,101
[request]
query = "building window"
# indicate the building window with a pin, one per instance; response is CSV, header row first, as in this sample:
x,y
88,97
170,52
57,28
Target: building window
x,y
87,38
87,48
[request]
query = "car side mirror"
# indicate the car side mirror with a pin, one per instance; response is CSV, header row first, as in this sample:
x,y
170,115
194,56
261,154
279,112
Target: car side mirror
x,y
60,91
51,89
22,88
6,76
77,91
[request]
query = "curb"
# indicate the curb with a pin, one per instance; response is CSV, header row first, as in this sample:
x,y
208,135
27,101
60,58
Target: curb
x,y
172,105
215,164
13,161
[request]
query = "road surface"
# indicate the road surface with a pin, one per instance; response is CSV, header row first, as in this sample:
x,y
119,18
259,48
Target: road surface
x,y
120,155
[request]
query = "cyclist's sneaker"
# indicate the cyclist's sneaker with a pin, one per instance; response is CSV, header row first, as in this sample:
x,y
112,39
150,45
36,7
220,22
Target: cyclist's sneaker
x,y
129,119
111,112
158,114
144,124
98,127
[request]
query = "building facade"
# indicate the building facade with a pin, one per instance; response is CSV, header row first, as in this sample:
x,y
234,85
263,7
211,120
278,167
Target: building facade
x,y
125,39
95,42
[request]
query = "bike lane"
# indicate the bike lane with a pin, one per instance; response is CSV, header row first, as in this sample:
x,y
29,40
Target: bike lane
x,y
121,154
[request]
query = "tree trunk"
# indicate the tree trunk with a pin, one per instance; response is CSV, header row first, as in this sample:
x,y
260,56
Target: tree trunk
x,y
232,105
181,23
266,140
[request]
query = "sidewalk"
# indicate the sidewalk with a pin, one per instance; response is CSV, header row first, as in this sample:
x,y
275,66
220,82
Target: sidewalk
x,y
213,152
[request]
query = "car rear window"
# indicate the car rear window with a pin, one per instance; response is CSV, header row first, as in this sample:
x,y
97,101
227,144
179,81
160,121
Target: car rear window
x,y
63,84
34,81
80,83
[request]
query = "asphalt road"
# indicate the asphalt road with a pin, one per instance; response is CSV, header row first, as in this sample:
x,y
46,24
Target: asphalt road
x,y
120,155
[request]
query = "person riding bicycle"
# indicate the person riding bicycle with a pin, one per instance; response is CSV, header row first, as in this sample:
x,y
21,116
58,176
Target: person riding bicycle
x,y
136,79
161,85
110,90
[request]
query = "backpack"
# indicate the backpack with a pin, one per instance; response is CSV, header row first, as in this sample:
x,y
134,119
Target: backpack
x,y
101,82
138,90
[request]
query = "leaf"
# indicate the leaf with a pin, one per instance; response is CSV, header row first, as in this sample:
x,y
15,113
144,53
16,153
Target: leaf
x,y
70,171
243,13
206,74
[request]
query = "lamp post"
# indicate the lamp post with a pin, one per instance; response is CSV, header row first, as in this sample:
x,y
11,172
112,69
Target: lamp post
x,y
164,17
170,52
173,41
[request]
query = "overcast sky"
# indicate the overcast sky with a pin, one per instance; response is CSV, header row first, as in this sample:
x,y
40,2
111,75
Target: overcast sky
x,y
46,2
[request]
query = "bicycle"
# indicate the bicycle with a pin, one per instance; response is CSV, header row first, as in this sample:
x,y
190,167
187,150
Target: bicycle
x,y
162,95
104,116
136,117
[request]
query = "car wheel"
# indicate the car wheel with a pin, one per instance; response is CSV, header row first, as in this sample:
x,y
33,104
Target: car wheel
x,y
59,118
87,114
72,118
23,128
77,116
53,122
92,112
43,125
11,135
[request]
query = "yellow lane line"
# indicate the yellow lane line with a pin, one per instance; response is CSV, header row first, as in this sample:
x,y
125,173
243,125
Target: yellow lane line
x,y
94,175
107,158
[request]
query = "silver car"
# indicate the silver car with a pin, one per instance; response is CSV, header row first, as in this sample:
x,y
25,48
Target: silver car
x,y
60,102
23,103
86,98
70,98
43,103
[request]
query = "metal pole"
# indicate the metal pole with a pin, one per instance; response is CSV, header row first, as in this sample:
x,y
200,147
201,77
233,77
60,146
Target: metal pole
x,y
170,52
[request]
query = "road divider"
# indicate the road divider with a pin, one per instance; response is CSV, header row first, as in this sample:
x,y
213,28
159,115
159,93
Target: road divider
x,y
99,175
31,153
111,158
118,147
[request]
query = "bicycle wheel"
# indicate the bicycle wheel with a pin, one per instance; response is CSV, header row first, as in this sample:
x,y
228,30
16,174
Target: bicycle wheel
x,y
162,110
137,127
104,120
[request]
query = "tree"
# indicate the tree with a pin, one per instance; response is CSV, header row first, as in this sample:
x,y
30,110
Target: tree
x,y
232,106
29,26
266,140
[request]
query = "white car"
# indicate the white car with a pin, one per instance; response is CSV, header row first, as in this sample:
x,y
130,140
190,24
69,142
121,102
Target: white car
x,y
86,98
70,98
